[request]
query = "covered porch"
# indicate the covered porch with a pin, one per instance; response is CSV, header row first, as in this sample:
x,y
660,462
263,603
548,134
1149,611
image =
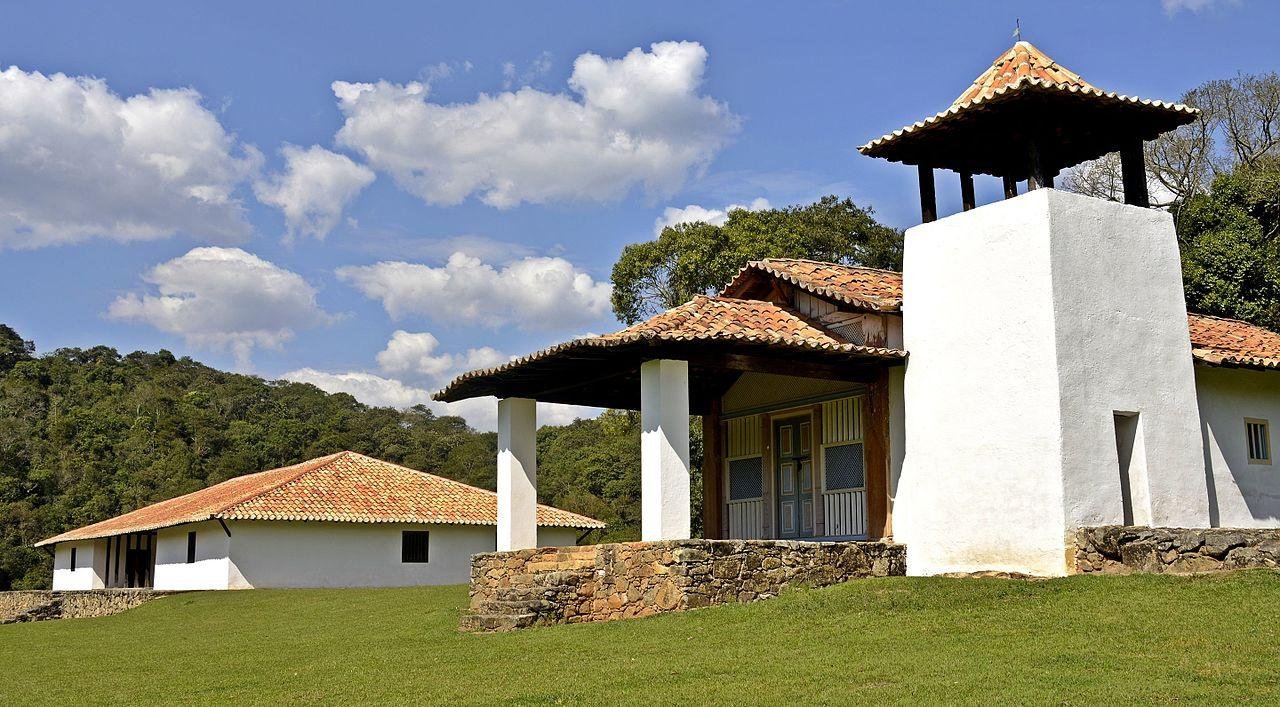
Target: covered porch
x,y
795,422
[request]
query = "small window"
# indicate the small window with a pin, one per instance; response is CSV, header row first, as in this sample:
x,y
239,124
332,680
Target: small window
x,y
73,559
845,467
413,545
191,547
746,479
1258,438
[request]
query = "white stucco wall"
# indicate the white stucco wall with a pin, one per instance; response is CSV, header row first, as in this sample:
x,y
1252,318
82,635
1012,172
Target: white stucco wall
x,y
212,569
90,559
980,486
1245,495
315,554
1123,345
1030,322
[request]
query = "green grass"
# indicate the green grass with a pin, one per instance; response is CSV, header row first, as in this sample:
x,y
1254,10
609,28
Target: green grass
x,y
1076,640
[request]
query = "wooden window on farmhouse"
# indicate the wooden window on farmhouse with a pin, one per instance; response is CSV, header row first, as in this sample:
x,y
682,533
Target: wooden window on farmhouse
x,y
1258,437
191,547
73,559
413,545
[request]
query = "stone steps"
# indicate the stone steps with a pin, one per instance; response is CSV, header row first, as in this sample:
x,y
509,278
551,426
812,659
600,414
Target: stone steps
x,y
496,622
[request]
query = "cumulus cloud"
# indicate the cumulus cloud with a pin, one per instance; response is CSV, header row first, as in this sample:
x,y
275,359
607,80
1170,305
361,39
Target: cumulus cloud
x,y
78,161
224,298
314,189
635,121
373,389
693,212
531,293
417,355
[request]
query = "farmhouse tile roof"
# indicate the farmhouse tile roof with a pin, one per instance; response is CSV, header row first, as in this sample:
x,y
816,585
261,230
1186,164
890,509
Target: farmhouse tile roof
x,y
865,288
1230,342
702,319
343,487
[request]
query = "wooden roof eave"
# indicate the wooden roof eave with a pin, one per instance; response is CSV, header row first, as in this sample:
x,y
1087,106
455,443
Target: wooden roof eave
x,y
961,137
583,373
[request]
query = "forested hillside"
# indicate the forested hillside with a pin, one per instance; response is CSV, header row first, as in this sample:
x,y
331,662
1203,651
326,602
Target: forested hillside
x,y
86,434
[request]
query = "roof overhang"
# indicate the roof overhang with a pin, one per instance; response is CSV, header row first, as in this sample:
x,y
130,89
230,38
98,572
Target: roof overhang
x,y
1071,123
600,373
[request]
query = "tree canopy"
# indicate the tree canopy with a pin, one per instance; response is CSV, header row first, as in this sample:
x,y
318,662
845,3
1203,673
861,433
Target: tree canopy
x,y
699,258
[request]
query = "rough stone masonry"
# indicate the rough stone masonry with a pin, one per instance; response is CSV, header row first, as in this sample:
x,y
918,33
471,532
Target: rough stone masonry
x,y
39,605
623,580
1117,549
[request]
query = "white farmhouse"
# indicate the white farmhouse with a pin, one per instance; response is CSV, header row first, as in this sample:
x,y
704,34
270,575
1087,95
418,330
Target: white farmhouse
x,y
344,520
1032,371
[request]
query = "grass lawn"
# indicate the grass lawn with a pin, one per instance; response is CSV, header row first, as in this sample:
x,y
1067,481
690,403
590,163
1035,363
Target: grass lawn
x,y
1077,640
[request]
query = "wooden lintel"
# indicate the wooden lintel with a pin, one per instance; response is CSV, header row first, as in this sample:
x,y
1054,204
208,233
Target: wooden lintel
x,y
748,363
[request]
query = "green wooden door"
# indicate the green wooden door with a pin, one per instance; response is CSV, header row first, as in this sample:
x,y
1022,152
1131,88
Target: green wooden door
x,y
795,478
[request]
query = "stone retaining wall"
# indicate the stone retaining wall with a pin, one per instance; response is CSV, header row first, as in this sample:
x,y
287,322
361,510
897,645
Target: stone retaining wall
x,y
604,582
1116,549
38,605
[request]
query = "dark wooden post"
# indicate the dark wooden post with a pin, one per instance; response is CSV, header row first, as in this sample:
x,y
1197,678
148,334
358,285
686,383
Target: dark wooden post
x,y
1133,173
876,438
1036,173
966,190
928,198
712,460
1010,187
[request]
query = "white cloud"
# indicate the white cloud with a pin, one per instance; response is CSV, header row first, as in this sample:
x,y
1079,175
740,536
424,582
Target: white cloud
x,y
224,298
480,413
536,69
78,161
532,293
416,355
314,188
1173,7
693,212
638,120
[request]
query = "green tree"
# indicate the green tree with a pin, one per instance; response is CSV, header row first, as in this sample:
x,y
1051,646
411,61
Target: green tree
x,y
1230,239
698,258
13,348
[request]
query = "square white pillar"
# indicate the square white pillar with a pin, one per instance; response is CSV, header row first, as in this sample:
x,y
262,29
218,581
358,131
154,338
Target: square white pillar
x,y
517,474
664,450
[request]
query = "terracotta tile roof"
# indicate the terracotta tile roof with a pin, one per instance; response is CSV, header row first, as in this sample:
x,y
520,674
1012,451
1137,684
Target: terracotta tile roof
x,y
1230,342
1022,62
343,487
1024,67
702,319
864,288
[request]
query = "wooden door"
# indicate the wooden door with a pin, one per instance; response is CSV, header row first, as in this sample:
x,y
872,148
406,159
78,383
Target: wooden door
x,y
794,478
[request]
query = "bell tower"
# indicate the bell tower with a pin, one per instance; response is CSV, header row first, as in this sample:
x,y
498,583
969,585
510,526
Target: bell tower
x,y
1025,119
1049,384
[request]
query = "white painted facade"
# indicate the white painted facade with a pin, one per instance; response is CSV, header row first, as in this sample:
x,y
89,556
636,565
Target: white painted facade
x,y
1242,494
279,554
1031,323
89,566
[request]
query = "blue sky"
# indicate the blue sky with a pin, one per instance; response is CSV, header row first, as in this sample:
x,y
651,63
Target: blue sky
x,y
149,197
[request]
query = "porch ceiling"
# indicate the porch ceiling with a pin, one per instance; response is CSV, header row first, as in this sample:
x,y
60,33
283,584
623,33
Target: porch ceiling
x,y
604,374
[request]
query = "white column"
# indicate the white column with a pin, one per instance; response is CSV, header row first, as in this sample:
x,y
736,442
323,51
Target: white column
x,y
517,474
664,450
